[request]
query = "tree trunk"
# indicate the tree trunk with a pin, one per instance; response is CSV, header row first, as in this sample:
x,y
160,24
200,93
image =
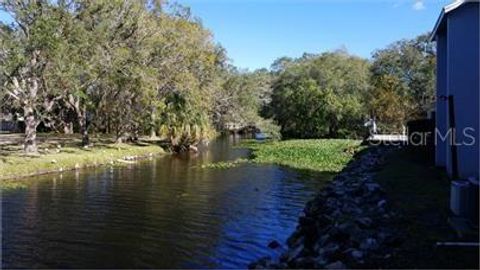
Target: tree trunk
x,y
82,119
333,131
119,138
30,141
81,112
135,135
109,128
68,128
153,133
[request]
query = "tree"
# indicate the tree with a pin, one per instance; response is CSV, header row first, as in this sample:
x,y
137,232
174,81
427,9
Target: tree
x,y
121,66
410,63
321,96
388,105
187,68
28,46
241,97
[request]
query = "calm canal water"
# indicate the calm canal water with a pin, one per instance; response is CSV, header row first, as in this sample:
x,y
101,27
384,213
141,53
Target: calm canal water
x,y
162,213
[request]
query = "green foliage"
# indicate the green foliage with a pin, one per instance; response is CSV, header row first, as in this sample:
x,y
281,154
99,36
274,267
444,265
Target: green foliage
x,y
121,67
403,78
387,104
128,68
317,155
321,96
224,164
270,128
241,97
330,95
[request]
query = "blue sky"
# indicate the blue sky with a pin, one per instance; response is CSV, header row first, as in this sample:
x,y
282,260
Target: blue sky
x,y
256,32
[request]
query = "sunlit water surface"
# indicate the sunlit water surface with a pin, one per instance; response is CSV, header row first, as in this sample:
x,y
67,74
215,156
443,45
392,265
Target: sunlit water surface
x,y
162,213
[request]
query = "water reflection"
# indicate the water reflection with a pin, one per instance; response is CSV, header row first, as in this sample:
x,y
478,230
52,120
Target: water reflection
x,y
163,213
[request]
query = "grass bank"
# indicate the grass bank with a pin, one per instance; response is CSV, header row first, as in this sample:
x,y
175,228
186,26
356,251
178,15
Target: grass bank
x,y
317,155
60,153
421,193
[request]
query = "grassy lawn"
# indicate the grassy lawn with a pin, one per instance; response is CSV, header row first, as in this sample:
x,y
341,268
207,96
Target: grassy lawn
x,y
421,192
316,155
61,152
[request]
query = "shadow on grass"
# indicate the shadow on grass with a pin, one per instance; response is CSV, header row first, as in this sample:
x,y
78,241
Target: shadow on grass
x,y
421,193
8,150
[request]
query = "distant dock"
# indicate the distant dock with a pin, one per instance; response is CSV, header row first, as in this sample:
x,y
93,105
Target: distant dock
x,y
387,138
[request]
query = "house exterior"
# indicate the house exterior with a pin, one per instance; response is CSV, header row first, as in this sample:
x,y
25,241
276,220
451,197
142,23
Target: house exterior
x,y
457,97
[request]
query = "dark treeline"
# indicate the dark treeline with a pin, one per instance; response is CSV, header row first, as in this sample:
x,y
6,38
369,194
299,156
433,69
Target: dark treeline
x,y
132,68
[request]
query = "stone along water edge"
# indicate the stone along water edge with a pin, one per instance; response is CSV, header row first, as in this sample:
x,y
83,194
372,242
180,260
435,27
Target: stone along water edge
x,y
349,224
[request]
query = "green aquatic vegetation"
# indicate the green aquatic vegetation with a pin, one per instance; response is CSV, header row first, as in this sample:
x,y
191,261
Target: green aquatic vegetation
x,y
224,164
318,155
324,155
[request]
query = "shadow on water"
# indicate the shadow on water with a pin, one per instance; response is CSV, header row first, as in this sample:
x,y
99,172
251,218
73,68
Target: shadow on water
x,y
162,213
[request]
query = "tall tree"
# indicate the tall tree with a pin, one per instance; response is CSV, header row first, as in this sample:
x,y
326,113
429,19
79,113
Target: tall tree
x,y
241,97
411,63
28,45
321,96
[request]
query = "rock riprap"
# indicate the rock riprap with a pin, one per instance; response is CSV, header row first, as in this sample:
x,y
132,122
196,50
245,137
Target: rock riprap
x,y
349,224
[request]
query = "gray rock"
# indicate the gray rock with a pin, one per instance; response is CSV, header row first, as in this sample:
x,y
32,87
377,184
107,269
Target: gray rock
x,y
347,223
336,265
369,244
373,187
305,263
364,222
382,204
320,262
357,255
329,249
295,239
291,254
322,240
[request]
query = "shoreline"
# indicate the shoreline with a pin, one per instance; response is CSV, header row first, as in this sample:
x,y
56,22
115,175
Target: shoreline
x,y
347,225
358,219
14,168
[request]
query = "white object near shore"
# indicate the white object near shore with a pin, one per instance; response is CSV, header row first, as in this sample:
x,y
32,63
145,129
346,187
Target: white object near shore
x,y
388,138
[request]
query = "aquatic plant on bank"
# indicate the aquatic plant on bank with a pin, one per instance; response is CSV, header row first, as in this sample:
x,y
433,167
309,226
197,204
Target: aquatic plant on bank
x,y
323,155
224,164
317,155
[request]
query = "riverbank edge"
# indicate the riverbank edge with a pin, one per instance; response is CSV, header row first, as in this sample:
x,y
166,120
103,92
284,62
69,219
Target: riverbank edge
x,y
349,224
119,154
